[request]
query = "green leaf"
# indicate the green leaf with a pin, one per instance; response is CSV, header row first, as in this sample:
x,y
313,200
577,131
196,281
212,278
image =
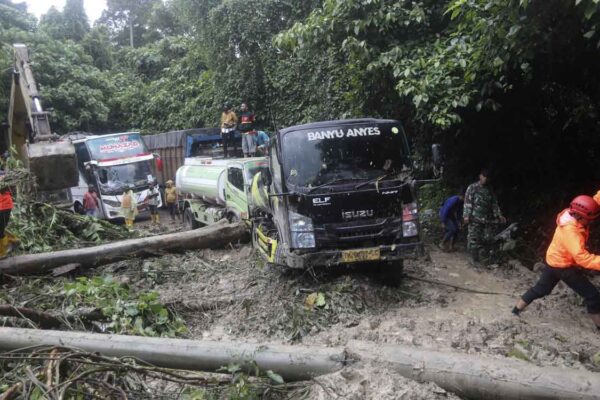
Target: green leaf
x,y
320,300
275,378
513,30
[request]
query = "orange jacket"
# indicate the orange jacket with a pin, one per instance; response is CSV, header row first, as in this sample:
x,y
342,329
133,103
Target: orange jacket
x,y
568,244
6,201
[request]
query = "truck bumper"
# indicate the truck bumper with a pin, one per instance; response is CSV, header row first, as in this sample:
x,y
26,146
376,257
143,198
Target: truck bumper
x,y
325,258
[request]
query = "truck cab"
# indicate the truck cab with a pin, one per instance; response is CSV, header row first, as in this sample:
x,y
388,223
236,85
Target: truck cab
x,y
337,192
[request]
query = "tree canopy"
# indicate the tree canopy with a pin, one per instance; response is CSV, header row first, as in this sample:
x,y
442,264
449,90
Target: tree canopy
x,y
490,78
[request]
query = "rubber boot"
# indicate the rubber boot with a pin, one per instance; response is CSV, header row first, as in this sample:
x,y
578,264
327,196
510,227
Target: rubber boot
x,y
3,247
442,246
157,219
475,261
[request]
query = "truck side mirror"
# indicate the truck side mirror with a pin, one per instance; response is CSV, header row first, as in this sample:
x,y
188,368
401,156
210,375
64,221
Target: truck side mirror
x,y
437,156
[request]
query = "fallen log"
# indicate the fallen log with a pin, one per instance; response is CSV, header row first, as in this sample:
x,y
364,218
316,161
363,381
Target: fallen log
x,y
481,377
469,376
293,363
217,235
43,319
46,320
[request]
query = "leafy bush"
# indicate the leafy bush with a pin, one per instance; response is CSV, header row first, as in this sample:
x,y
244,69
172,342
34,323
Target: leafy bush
x,y
139,314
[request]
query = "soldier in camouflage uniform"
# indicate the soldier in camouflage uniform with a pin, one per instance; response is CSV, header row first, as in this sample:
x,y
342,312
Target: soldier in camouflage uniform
x,y
480,211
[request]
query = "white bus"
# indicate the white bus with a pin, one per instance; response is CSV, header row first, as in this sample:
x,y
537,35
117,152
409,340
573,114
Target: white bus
x,y
113,164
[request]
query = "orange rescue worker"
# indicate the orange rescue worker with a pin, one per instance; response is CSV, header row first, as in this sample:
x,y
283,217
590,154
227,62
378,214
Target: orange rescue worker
x,y
567,257
6,206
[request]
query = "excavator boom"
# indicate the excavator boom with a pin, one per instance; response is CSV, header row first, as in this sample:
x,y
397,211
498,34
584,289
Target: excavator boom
x,y
52,162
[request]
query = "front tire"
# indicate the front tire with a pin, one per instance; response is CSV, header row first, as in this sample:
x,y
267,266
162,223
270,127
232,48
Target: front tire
x,y
78,208
189,221
391,272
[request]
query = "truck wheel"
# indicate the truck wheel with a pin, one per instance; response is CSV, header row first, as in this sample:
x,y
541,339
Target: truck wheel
x,y
189,221
232,218
78,208
391,272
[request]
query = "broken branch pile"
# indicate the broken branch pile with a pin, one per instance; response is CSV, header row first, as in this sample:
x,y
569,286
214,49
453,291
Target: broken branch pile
x,y
43,227
61,373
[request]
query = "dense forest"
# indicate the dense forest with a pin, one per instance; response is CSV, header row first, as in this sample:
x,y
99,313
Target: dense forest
x,y
513,85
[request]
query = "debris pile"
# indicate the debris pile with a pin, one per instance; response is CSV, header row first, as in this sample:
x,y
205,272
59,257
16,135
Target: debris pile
x,y
42,227
60,373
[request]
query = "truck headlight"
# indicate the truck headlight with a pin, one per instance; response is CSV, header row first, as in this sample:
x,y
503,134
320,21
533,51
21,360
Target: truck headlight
x,y
410,215
301,227
303,240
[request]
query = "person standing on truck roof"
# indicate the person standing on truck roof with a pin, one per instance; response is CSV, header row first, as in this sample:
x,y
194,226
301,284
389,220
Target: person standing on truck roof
x,y
129,208
262,143
90,202
228,124
246,127
171,199
567,257
480,213
152,198
450,215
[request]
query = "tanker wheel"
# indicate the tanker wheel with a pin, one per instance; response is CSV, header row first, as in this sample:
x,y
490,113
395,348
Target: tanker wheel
x,y
189,221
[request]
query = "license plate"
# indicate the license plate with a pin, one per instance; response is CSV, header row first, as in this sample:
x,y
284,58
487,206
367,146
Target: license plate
x,y
352,256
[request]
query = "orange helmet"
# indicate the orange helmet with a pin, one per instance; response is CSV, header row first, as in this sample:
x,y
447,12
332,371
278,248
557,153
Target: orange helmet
x,y
586,207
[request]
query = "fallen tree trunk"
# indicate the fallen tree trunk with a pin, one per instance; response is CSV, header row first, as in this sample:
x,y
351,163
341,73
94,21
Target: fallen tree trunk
x,y
469,376
41,318
293,363
480,377
217,235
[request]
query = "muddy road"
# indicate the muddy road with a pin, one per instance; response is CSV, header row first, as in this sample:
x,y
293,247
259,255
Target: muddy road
x,y
233,295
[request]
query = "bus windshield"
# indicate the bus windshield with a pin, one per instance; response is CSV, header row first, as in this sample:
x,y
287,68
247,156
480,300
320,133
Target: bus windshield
x,y
115,179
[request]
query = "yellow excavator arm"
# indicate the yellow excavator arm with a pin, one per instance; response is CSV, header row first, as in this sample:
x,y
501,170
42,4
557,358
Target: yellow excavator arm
x,y
52,162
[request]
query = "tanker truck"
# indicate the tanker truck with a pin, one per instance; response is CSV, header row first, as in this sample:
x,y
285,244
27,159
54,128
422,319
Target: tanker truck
x,y
213,189
337,192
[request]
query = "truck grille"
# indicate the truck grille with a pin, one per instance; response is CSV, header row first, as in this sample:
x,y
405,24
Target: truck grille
x,y
350,234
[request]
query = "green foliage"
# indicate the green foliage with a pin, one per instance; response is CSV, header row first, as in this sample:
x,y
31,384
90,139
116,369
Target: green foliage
x,y
97,44
433,195
42,227
67,78
70,24
75,20
128,20
71,85
139,314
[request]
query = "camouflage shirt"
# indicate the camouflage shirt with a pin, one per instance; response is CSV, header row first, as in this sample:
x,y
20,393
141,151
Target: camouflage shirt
x,y
481,204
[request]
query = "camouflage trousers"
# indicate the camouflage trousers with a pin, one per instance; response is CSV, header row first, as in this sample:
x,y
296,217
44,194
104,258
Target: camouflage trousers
x,y
479,235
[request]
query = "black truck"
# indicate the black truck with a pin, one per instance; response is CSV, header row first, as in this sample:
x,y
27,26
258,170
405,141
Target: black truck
x,y
337,192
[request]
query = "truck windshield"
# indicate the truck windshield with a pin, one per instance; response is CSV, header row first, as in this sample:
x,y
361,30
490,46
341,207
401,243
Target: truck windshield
x,y
115,179
313,158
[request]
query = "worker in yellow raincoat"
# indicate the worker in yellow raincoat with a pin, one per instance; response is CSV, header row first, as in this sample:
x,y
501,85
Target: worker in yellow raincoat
x,y
129,208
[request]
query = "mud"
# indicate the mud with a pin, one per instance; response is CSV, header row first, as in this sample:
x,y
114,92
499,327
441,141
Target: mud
x,y
369,382
233,295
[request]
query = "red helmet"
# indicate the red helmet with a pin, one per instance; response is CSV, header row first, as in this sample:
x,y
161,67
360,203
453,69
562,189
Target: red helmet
x,y
586,207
